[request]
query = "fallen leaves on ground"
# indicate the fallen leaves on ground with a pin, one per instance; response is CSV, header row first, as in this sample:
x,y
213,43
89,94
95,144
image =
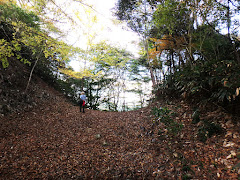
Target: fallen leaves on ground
x,y
56,141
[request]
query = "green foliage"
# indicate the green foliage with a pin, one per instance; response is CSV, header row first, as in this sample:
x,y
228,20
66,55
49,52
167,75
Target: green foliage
x,y
166,116
13,13
208,129
95,89
212,77
107,56
212,46
25,37
204,60
204,67
11,17
171,17
111,62
5,51
25,40
133,13
207,80
21,38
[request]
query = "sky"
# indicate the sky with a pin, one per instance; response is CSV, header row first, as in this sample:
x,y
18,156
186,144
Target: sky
x,y
117,34
106,28
123,36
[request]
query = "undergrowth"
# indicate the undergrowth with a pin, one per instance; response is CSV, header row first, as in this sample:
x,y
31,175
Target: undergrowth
x,y
208,129
166,116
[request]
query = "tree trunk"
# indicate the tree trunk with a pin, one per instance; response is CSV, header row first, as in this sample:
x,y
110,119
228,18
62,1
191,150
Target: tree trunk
x,y
30,76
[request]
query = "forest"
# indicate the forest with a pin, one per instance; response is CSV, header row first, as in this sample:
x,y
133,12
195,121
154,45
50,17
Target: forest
x,y
189,49
185,77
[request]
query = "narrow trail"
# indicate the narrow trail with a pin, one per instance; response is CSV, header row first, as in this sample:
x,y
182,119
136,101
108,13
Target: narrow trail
x,y
56,141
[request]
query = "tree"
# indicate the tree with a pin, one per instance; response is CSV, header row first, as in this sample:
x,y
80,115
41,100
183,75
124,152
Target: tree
x,y
210,54
111,62
24,39
103,80
186,48
138,16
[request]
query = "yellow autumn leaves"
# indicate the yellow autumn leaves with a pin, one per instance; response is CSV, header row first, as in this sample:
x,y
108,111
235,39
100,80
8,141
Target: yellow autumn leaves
x,y
82,74
167,42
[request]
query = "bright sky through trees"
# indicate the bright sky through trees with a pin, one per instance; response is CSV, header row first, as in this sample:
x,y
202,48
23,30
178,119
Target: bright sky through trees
x,y
113,32
105,28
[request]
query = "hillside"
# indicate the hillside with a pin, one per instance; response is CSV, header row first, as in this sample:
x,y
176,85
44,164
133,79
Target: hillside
x,y
50,139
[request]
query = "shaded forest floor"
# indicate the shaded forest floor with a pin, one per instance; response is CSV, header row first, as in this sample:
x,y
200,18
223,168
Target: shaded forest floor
x,y
56,141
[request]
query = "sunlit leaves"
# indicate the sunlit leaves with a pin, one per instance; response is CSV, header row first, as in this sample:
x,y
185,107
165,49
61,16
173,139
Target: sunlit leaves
x,y
12,13
23,31
5,52
86,73
172,17
167,42
109,56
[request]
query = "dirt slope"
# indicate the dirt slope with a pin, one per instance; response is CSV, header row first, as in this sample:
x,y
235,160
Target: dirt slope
x,y
56,141
43,136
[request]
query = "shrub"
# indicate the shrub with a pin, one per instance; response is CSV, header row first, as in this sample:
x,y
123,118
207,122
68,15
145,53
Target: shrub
x,y
165,116
208,129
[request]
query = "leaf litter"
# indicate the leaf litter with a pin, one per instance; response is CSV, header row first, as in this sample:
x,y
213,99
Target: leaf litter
x,y
56,141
